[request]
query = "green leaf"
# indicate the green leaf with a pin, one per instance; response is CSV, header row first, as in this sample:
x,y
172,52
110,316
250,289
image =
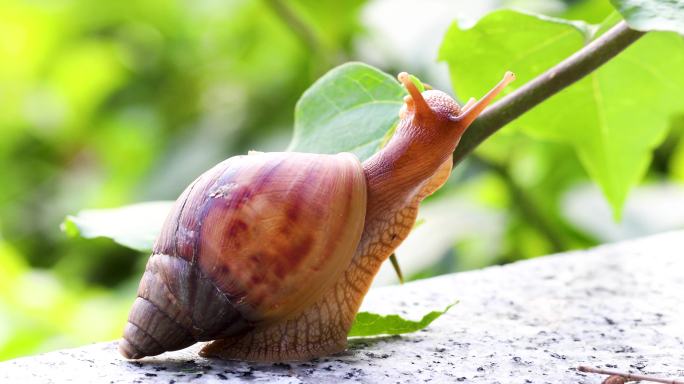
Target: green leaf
x,y
613,118
135,226
371,324
652,15
349,109
416,81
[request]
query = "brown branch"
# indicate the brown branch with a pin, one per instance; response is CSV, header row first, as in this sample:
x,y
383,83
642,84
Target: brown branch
x,y
627,376
575,67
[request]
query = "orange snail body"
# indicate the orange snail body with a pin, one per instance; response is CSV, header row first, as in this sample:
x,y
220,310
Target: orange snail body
x,y
269,255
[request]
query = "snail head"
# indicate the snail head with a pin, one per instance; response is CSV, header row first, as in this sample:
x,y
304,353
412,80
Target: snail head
x,y
437,105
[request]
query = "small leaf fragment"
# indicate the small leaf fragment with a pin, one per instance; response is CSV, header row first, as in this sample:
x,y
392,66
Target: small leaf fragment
x,y
372,324
134,226
419,84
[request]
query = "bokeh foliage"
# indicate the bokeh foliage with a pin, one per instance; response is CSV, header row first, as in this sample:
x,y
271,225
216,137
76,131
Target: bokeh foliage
x,y
104,104
107,103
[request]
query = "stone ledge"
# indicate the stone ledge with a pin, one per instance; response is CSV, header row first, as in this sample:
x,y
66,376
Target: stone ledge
x,y
619,306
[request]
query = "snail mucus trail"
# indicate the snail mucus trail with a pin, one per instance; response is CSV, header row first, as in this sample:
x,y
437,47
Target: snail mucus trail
x,y
269,255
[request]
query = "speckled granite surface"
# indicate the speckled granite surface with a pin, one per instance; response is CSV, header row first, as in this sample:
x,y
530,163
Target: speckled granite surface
x,y
619,306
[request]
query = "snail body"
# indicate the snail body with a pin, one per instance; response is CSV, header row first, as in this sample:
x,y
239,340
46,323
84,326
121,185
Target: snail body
x,y
269,255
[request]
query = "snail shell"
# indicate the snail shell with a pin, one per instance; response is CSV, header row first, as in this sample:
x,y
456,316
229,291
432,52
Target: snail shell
x,y
252,241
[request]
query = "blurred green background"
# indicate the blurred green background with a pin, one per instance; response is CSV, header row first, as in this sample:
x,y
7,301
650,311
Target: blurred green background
x,y
108,103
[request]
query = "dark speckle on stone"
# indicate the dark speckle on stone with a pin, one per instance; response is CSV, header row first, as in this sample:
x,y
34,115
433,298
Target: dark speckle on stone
x,y
221,376
148,374
624,349
352,373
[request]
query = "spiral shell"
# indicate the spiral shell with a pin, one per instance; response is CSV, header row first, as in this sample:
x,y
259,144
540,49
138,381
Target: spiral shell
x,y
251,242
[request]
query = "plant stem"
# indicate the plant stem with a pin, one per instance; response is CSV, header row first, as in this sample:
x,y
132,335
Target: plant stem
x,y
628,376
397,268
526,205
568,71
322,57
298,26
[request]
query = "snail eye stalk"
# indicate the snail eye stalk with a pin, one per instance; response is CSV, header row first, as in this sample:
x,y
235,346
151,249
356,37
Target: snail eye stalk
x,y
473,109
418,105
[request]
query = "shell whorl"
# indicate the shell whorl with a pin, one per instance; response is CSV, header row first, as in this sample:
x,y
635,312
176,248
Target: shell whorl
x,y
176,307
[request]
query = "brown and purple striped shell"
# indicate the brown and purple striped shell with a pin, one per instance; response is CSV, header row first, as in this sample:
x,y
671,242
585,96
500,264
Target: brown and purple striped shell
x,y
252,241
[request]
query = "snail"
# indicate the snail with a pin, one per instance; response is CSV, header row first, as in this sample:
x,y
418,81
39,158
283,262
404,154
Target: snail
x,y
269,255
